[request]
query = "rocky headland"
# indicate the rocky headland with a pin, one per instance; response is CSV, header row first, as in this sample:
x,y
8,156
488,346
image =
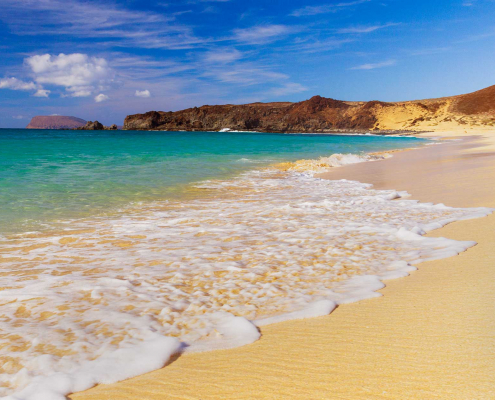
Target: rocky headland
x,y
319,114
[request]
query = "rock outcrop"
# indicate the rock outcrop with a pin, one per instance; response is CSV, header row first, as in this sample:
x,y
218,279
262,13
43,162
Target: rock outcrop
x,y
317,114
320,114
96,126
55,122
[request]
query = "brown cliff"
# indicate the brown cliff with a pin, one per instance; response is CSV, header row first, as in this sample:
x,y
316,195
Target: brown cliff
x,y
316,114
320,114
55,122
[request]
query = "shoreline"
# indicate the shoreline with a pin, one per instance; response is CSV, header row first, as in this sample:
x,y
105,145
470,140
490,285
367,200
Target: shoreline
x,y
108,234
208,360
39,217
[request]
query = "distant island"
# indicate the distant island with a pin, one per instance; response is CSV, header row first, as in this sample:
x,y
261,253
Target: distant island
x,y
320,114
55,122
63,122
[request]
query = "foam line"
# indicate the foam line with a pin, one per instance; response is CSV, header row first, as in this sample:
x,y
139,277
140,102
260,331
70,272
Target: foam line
x,y
108,298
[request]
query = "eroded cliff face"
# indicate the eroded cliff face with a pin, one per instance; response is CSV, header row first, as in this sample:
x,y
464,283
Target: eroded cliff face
x,y
320,114
317,114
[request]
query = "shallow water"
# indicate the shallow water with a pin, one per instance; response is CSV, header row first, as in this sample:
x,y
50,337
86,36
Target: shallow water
x,y
54,174
110,295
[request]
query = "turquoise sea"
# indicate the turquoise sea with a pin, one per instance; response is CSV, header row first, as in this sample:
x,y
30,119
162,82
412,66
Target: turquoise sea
x,y
121,249
47,175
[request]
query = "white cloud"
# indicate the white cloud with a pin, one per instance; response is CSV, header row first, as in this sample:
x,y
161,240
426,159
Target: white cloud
x,y
222,56
91,19
101,97
143,93
78,73
318,46
288,88
244,75
16,84
325,9
365,29
80,91
19,117
262,33
388,63
42,93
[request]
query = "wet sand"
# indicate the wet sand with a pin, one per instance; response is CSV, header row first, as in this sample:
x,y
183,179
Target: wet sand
x,y
431,336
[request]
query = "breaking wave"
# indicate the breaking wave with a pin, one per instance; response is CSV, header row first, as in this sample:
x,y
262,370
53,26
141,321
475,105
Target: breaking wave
x,y
107,298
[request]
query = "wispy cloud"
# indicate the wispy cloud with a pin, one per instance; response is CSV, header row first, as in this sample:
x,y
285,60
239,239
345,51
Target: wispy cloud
x,y
262,34
244,74
325,9
210,10
288,88
481,36
366,28
312,45
388,63
83,19
222,56
130,67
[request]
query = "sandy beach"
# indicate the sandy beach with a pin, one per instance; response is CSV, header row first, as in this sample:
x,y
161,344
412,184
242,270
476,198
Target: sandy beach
x,y
430,336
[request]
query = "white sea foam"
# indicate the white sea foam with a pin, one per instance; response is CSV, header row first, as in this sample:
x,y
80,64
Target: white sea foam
x,y
335,160
233,131
112,297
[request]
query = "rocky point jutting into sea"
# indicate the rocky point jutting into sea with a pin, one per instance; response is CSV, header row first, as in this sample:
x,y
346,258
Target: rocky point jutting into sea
x,y
320,114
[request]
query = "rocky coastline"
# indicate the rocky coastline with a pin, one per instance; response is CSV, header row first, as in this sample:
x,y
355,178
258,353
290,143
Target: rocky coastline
x,y
325,115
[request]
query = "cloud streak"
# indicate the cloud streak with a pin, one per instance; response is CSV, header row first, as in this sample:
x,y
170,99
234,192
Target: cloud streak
x,y
365,29
325,9
120,27
383,64
262,34
288,88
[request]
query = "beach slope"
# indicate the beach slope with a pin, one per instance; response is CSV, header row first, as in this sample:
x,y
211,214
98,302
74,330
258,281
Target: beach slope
x,y
431,336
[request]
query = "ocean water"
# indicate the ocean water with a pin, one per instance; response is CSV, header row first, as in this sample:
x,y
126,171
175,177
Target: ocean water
x,y
47,175
145,244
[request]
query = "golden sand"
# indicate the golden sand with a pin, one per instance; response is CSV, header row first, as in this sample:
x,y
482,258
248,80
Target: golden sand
x,y
431,336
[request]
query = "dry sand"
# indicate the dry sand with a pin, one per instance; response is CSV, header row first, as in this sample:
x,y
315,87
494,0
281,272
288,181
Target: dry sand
x,y
431,336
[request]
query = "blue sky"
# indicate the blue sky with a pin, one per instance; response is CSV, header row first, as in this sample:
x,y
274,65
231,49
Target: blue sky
x,y
106,59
